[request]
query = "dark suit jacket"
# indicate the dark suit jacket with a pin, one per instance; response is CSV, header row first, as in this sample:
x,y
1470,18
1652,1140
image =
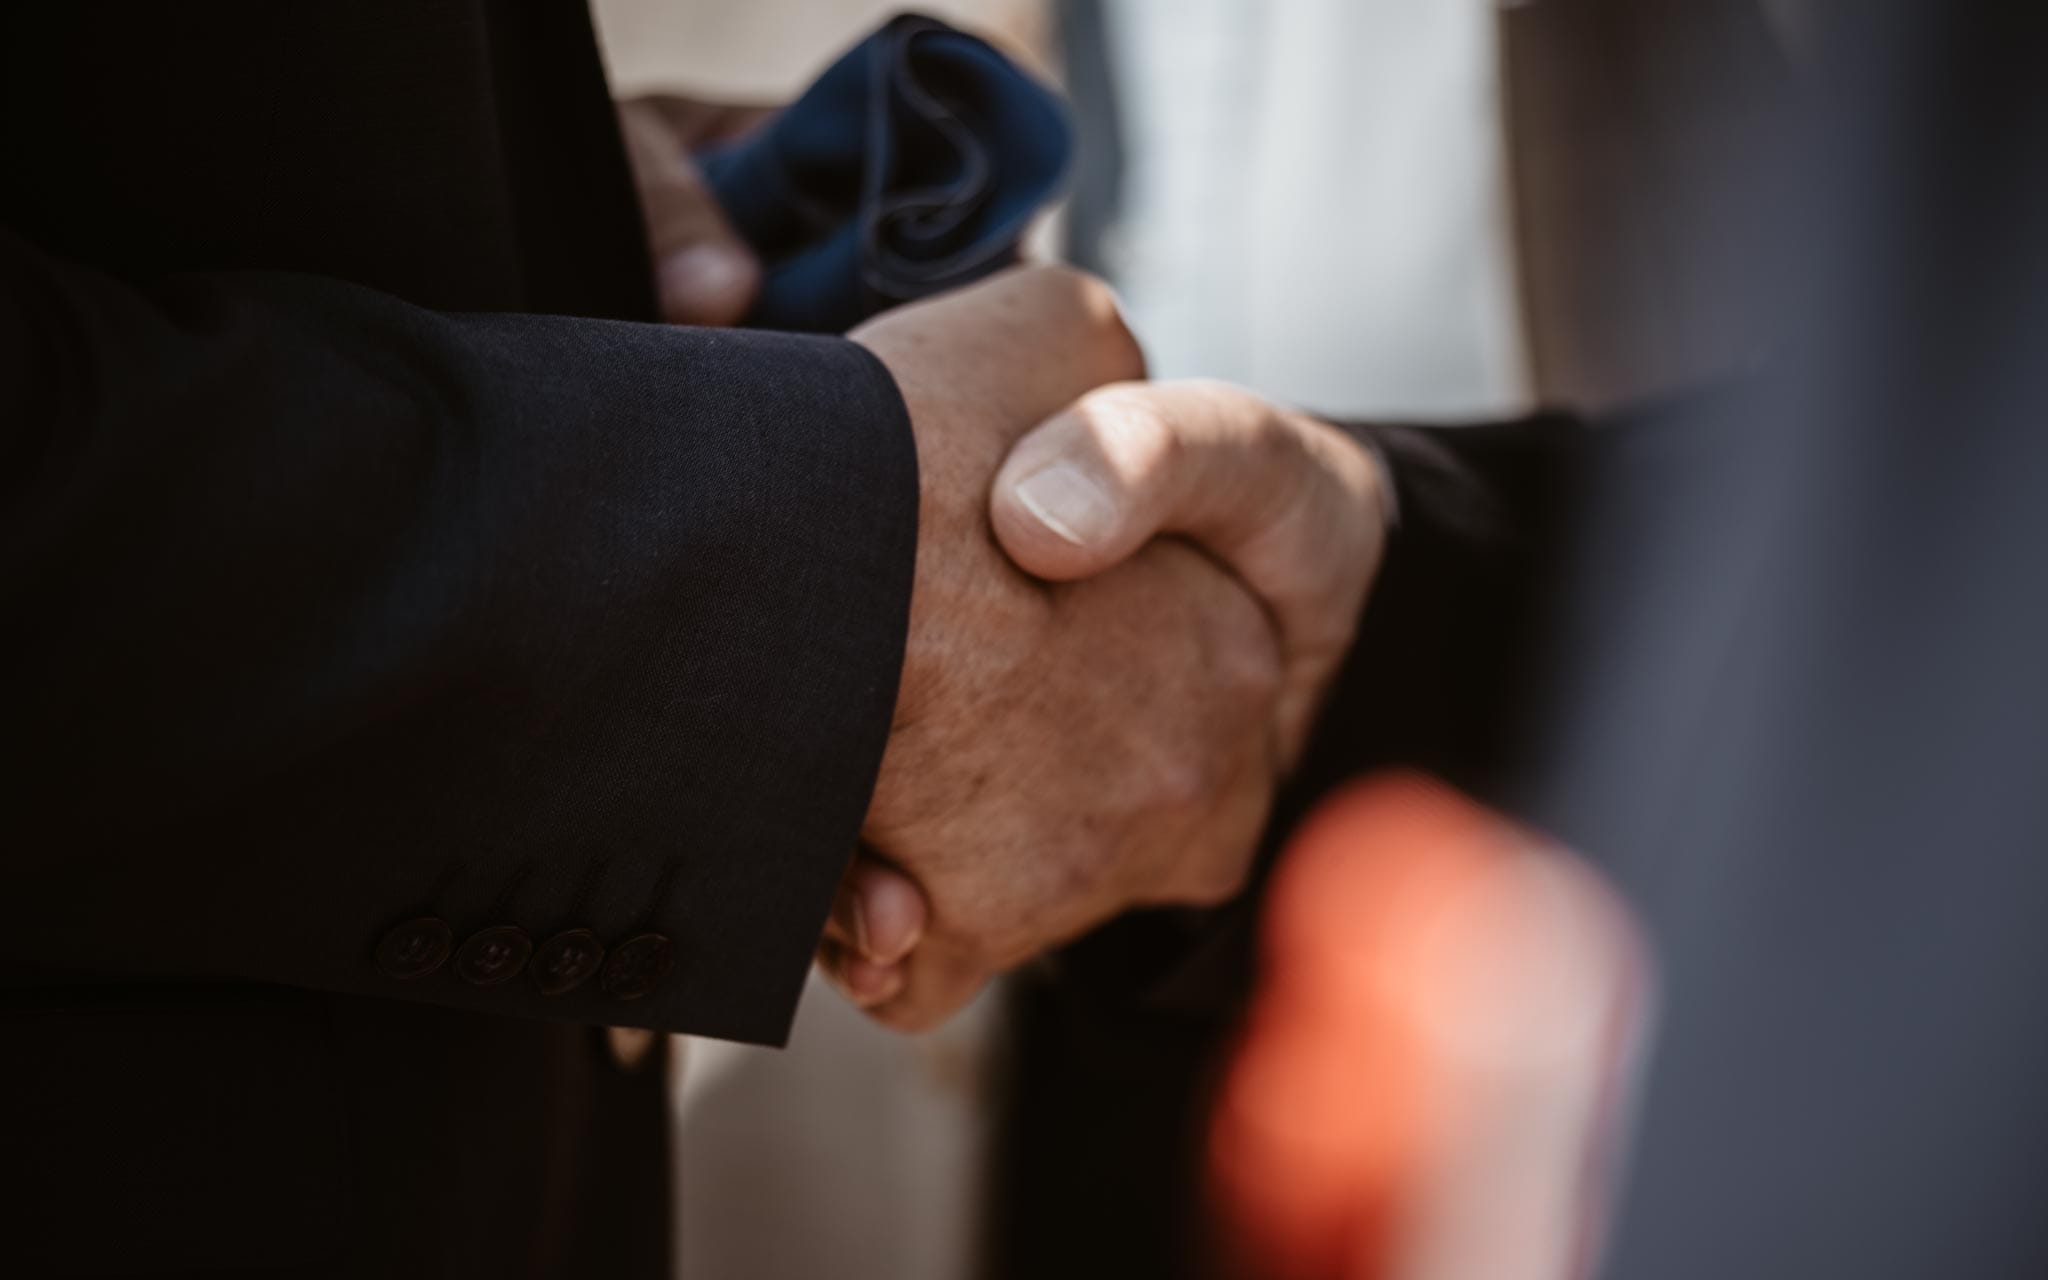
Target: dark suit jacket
x,y
374,578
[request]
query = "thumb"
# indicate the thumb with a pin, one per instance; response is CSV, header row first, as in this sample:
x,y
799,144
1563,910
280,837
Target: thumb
x,y
704,272
1294,507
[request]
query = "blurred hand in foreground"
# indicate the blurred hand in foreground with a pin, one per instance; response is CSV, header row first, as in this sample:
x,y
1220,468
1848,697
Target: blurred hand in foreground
x,y
1428,1085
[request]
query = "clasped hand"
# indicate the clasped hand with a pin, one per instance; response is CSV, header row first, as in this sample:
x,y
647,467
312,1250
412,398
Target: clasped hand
x,y
1128,601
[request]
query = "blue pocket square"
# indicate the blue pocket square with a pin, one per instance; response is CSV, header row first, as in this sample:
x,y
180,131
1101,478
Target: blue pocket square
x,y
911,167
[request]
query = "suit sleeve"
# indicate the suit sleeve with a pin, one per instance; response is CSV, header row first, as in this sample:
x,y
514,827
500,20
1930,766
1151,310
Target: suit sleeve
x,y
528,665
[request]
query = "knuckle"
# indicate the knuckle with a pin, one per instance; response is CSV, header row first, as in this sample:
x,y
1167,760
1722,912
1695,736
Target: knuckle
x,y
1084,866
1109,332
1088,312
1126,353
1056,284
1130,428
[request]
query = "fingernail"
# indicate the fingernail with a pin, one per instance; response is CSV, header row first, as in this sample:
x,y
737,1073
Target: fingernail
x,y
705,277
891,914
1069,502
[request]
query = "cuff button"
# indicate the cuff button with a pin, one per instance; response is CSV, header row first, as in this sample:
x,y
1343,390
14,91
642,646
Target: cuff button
x,y
493,956
415,948
637,966
566,961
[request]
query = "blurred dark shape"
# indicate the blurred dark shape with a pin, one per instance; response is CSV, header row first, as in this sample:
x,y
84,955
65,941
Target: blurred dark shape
x,y
1632,131
1805,721
913,166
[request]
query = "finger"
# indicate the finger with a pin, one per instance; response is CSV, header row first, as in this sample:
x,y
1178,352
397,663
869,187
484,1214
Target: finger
x,y
871,984
878,912
864,983
1294,507
938,981
890,908
698,124
705,274
1237,473
1213,867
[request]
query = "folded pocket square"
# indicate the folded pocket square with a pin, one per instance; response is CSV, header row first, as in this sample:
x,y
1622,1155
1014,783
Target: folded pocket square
x,y
911,167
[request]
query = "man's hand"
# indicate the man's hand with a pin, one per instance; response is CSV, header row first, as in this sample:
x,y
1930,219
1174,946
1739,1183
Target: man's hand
x,y
1060,752
704,272
1294,507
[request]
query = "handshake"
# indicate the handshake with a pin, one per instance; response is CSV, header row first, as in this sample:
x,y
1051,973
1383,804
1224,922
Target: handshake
x,y
1129,598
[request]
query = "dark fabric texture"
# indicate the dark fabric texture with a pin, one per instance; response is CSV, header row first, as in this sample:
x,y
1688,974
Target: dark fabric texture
x,y
1844,739
913,166
365,557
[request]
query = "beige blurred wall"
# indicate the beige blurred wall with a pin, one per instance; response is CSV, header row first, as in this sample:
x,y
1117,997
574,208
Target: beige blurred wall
x,y
769,49
854,1154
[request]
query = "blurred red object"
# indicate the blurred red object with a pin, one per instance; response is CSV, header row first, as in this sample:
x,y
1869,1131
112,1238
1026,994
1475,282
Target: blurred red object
x,y
1430,1081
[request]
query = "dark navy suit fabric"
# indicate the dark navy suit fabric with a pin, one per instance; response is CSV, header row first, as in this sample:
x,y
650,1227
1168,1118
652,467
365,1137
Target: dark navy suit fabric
x,y
911,167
